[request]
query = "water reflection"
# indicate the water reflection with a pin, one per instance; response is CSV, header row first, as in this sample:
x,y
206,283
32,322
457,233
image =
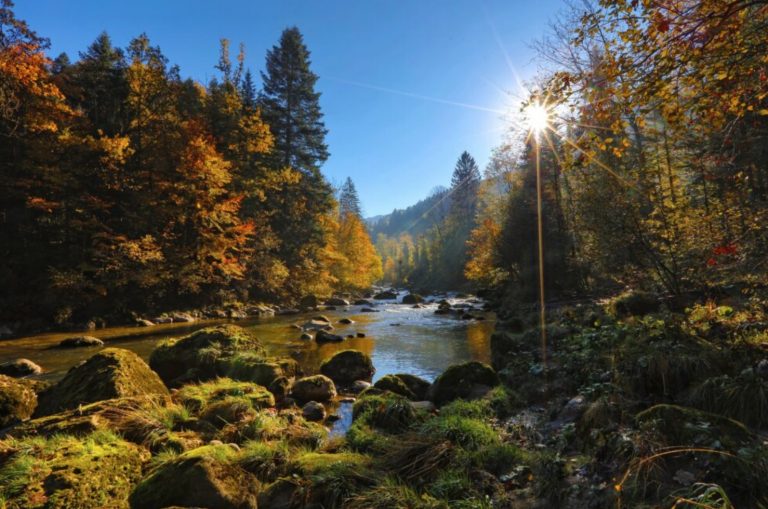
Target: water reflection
x,y
400,339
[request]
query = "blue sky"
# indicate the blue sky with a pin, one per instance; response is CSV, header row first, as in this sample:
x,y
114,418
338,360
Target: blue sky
x,y
378,62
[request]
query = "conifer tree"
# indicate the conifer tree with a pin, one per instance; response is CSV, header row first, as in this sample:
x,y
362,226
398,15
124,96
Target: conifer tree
x,y
349,202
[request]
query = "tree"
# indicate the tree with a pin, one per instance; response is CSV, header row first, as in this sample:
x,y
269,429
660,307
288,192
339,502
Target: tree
x,y
464,184
349,202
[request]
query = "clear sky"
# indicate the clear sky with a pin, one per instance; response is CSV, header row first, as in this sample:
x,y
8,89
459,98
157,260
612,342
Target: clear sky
x,y
378,60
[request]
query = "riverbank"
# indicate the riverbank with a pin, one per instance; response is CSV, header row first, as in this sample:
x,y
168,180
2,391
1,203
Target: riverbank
x,y
628,404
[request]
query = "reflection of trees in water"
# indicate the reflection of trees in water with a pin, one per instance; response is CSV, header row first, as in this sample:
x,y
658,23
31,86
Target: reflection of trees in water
x,y
479,340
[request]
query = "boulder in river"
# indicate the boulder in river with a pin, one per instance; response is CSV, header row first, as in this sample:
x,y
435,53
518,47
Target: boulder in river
x,y
363,302
313,411
347,366
321,318
204,477
111,373
313,388
466,380
385,295
204,354
143,322
369,310
19,368
80,341
17,400
317,325
336,301
412,298
392,383
163,319
306,336
346,321
308,301
326,337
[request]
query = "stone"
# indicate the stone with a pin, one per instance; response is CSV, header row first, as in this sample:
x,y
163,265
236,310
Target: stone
x,y
346,321
308,301
316,325
466,380
205,354
111,373
142,322
417,385
183,317
412,298
204,477
306,336
337,301
385,295
321,318
80,341
313,411
19,368
392,383
369,310
313,388
164,319
363,302
347,366
17,400
573,409
359,386
95,471
423,406
326,337
360,335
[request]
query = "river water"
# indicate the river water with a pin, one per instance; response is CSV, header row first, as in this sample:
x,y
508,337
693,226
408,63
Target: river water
x,y
399,339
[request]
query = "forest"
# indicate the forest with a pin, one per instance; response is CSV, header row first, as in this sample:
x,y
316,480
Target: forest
x,y
580,323
128,189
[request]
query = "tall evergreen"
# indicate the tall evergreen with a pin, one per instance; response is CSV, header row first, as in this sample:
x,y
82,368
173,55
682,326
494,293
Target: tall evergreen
x,y
349,202
464,184
291,107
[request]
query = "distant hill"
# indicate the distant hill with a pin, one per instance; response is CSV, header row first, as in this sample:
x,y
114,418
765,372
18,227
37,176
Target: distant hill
x,y
416,219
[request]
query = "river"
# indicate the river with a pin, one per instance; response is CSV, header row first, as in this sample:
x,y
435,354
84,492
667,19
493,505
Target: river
x,y
399,339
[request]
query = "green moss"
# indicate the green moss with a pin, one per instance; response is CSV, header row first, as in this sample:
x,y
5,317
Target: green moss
x,y
334,477
204,477
111,373
204,354
197,397
67,472
389,412
17,401
465,432
394,384
394,494
451,484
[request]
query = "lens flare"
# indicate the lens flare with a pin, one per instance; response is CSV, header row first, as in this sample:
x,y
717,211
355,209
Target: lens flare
x,y
537,118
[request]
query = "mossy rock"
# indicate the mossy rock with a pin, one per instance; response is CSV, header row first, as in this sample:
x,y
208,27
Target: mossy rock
x,y
468,380
198,396
204,354
412,298
111,373
393,383
347,366
387,411
312,463
17,400
314,388
85,419
417,385
203,477
97,471
258,371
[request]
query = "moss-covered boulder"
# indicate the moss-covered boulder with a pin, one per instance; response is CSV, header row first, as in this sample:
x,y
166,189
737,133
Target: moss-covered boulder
x,y
205,354
17,400
111,373
347,366
204,477
197,397
417,385
97,471
468,380
394,384
313,388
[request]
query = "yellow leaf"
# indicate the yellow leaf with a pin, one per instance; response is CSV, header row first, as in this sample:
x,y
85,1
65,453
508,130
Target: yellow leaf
x,y
763,113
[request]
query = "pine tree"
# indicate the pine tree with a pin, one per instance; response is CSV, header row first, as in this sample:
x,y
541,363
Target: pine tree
x,y
291,107
464,184
349,202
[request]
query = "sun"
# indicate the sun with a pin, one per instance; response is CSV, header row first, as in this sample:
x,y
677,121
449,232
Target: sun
x,y
537,117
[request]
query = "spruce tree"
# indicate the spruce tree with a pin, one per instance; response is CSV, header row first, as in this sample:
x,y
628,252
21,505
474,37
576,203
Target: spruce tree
x,y
464,184
349,202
